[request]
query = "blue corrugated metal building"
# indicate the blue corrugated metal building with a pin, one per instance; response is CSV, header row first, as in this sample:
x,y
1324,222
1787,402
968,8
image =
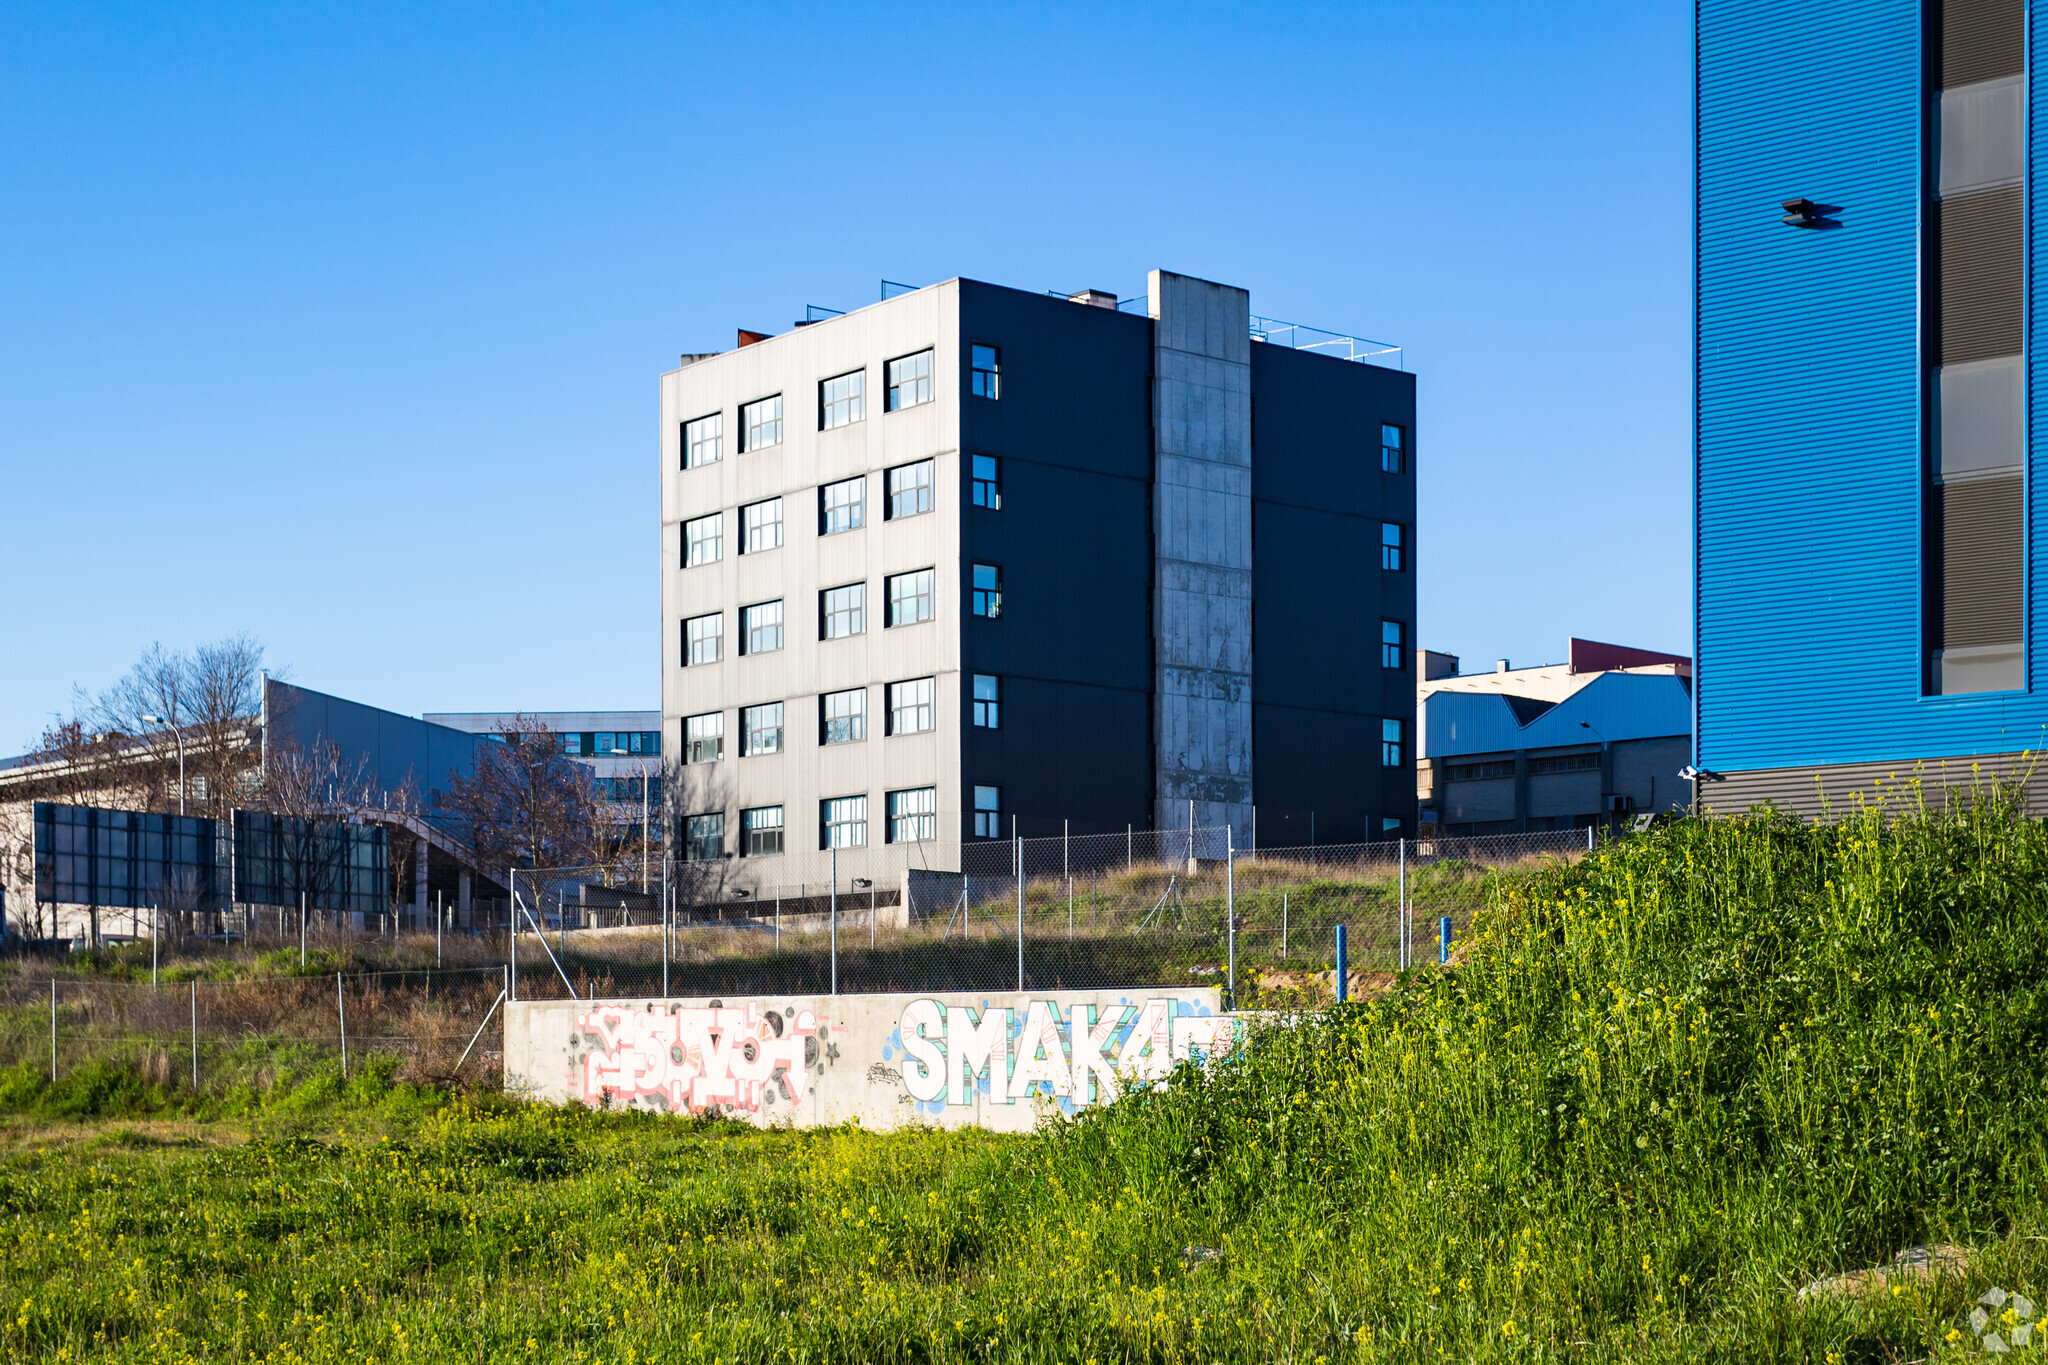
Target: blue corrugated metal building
x,y
1864,564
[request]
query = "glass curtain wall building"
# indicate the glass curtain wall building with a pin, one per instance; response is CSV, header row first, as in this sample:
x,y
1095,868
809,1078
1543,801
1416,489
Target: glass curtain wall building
x,y
1865,576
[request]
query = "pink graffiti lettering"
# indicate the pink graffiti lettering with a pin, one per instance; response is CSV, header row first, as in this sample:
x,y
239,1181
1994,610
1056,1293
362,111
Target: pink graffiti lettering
x,y
696,1058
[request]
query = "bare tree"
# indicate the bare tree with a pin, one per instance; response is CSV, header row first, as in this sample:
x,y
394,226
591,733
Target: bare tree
x,y
193,711
524,804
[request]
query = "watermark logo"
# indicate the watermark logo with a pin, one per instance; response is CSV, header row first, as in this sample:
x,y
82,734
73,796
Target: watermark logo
x,y
2003,1322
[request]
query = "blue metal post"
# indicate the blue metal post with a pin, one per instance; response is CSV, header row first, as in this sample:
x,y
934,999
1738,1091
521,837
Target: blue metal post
x,y
1443,947
1343,966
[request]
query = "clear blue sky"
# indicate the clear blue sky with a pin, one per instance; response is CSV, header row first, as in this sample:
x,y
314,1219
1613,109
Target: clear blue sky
x,y
341,326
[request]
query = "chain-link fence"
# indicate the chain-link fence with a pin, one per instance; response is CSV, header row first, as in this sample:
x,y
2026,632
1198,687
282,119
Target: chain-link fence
x,y
1132,910
257,1034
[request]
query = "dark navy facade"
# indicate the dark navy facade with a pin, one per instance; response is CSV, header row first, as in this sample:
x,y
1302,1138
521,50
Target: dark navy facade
x,y
1858,611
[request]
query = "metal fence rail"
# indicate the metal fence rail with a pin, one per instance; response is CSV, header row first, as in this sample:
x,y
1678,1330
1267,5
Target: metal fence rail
x,y
1163,908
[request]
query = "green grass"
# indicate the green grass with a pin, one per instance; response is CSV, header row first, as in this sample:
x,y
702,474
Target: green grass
x,y
1670,1084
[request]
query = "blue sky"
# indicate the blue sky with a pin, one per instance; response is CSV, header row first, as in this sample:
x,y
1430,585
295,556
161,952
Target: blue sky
x,y
341,326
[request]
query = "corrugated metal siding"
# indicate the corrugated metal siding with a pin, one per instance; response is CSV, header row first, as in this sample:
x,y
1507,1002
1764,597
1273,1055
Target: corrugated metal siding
x,y
1980,40
1809,467
1837,791
1981,298
1981,557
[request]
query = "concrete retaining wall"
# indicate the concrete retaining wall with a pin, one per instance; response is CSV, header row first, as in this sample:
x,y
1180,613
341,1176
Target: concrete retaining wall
x,y
885,1060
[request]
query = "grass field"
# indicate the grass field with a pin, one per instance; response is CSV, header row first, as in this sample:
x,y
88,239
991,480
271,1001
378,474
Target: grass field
x,y
1668,1085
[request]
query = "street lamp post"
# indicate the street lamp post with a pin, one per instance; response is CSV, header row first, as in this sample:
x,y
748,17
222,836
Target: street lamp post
x,y
179,735
646,857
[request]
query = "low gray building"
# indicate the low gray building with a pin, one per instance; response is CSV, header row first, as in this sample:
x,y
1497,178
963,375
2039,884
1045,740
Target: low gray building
x,y
1588,742
974,559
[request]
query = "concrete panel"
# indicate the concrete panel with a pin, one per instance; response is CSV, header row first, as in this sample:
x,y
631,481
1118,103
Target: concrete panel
x,y
1202,535
1490,799
886,1061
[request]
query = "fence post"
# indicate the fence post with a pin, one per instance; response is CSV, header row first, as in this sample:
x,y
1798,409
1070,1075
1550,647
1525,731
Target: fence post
x,y
195,1033
1019,843
1401,908
302,930
1283,924
53,1030
668,920
1230,911
156,930
440,916
512,940
1443,947
341,1011
1128,863
1589,838
835,919
1343,967
778,917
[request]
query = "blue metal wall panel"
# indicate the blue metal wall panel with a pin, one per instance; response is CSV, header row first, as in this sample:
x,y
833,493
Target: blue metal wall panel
x,y
1808,474
1618,707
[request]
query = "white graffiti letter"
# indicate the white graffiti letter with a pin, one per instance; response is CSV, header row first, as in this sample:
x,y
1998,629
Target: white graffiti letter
x,y
972,1047
923,1029
1039,1054
1090,1038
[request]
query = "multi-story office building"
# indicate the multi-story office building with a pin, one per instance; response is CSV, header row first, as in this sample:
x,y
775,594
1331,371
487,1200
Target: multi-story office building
x,y
1865,577
974,560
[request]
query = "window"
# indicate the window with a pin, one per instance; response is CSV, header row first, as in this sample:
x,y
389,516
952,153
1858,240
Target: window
x,y
1393,449
1390,824
910,706
913,815
761,628
988,483
910,489
643,741
988,590
1390,743
843,717
987,695
702,637
1392,558
1392,655
760,526
761,729
841,506
607,742
910,381
704,837
910,597
704,540
988,366
572,743
761,424
842,611
1565,763
988,812
704,738
842,400
1476,772
845,821
760,832
703,441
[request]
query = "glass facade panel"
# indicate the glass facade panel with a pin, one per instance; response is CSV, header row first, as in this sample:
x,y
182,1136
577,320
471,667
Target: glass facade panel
x,y
988,812
704,540
843,716
704,738
911,709
761,832
913,815
988,482
704,441
761,628
987,366
761,424
843,821
910,597
704,837
842,611
703,639
910,489
988,590
842,400
910,381
761,729
760,526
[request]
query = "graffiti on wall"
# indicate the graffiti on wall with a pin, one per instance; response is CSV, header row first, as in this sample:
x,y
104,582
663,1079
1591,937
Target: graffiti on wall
x,y
953,1055
694,1058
